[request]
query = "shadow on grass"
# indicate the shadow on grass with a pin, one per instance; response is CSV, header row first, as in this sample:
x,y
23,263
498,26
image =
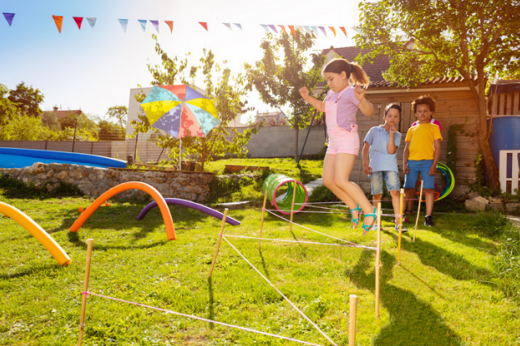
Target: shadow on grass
x,y
76,241
412,321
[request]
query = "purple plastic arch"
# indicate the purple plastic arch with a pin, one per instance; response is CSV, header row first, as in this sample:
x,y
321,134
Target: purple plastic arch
x,y
189,204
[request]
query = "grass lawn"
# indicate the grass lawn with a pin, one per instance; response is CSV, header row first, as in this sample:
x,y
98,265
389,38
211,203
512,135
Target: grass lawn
x,y
440,294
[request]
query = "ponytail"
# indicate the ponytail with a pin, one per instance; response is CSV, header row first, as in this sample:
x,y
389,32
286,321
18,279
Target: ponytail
x,y
358,75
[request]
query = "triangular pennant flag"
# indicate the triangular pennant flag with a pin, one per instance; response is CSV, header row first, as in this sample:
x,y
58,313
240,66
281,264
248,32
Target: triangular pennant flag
x,y
204,25
266,28
228,25
283,28
143,23
344,31
308,29
58,20
292,29
91,21
238,25
323,29
299,27
124,23
315,29
273,28
170,24
333,30
9,17
78,21
155,23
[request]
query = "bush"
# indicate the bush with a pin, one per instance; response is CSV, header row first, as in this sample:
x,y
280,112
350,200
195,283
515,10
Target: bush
x,y
235,187
16,189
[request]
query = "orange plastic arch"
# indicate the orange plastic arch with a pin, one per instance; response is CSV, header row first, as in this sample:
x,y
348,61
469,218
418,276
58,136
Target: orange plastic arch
x,y
167,216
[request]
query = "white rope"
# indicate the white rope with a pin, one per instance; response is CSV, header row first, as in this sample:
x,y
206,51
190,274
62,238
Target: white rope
x,y
277,290
201,319
326,235
301,241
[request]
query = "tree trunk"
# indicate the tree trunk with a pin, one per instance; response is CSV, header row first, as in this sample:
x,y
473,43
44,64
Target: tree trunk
x,y
297,129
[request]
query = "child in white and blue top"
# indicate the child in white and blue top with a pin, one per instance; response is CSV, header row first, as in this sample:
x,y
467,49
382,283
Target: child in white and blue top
x,y
381,143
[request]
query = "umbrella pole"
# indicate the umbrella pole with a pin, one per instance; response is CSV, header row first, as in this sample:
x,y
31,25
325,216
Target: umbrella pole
x,y
180,153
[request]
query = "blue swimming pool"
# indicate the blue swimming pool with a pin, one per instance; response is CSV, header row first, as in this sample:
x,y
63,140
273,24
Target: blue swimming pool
x,y
20,158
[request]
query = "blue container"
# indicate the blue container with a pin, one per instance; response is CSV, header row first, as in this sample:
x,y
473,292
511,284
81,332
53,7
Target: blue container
x,y
505,135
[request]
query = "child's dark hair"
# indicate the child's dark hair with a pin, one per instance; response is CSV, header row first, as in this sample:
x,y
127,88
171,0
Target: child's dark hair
x,y
352,69
424,100
392,105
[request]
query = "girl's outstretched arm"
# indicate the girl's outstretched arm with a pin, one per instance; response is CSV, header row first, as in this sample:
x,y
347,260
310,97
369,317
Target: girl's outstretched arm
x,y
364,105
319,105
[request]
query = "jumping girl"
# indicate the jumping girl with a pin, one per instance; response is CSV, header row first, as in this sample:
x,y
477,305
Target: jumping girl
x,y
346,95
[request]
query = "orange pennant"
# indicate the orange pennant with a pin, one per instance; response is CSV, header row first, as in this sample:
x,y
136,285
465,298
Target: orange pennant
x,y
283,28
58,20
170,24
344,31
333,30
204,25
292,29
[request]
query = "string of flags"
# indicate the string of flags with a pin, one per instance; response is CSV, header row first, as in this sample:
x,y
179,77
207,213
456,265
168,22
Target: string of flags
x,y
58,20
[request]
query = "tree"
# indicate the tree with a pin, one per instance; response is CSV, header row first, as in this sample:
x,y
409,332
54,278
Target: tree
x,y
283,70
86,129
110,132
8,110
27,99
477,40
225,89
118,112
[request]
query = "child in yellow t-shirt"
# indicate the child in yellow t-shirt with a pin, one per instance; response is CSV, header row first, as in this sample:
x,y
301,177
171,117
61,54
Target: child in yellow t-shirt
x,y
421,153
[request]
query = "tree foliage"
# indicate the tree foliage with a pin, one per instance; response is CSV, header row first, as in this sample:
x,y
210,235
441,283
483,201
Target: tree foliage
x,y
27,99
477,40
119,113
221,86
286,67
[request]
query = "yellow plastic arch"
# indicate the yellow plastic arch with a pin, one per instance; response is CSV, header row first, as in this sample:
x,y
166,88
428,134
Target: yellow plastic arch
x,y
167,216
36,231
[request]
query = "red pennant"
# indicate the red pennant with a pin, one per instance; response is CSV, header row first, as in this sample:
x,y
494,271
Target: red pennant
x,y
292,29
78,21
333,30
204,25
58,20
170,24
283,28
344,31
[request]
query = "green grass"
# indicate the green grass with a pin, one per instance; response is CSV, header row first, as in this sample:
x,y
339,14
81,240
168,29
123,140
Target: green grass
x,y
444,292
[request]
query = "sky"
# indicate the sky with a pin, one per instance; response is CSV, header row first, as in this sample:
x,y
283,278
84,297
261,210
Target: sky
x,y
93,69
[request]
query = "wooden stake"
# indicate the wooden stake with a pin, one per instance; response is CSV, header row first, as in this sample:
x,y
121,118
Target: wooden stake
x,y
378,256
218,242
85,290
292,205
262,224
400,226
418,211
352,323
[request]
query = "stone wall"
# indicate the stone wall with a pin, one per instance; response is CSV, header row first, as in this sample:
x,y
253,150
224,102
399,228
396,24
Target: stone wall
x,y
94,181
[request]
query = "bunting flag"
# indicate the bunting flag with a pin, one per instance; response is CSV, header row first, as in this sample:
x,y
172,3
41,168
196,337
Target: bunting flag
x,y
238,25
91,21
204,25
273,28
344,31
155,24
124,23
266,28
170,24
315,29
9,17
333,30
308,29
228,25
299,27
78,21
283,28
143,23
323,29
58,20
292,30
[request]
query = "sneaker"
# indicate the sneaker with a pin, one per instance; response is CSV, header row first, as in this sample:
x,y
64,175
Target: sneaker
x,y
428,221
404,230
405,218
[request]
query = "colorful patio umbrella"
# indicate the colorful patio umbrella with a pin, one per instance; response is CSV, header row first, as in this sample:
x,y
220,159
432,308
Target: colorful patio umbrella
x,y
180,111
